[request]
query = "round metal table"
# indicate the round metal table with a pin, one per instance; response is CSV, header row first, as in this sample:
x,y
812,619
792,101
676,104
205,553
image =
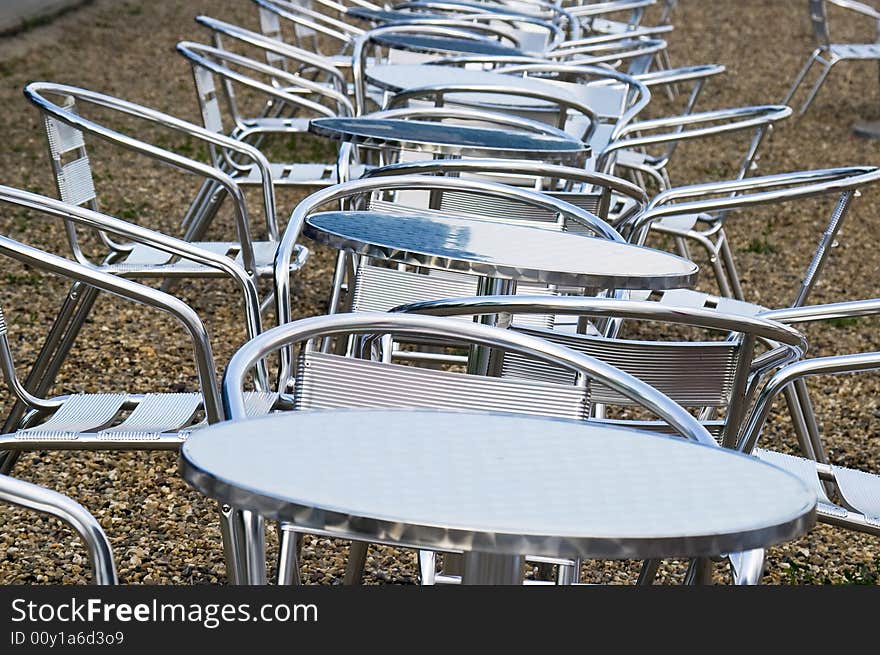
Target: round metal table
x,y
607,100
432,44
482,484
500,250
449,140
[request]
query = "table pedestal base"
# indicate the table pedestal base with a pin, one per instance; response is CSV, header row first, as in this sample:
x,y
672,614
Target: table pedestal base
x,y
486,569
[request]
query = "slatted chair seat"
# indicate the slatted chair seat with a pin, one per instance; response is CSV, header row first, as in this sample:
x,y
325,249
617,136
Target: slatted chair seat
x,y
856,50
296,174
120,420
859,491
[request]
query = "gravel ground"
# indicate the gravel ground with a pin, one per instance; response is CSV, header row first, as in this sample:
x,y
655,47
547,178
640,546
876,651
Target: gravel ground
x,y
164,532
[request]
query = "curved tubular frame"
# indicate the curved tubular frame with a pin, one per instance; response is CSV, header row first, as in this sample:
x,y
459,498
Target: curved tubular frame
x,y
792,373
359,54
642,93
739,118
627,309
210,58
538,169
422,182
157,240
275,46
35,93
497,118
606,52
204,356
440,92
315,21
762,190
284,336
47,501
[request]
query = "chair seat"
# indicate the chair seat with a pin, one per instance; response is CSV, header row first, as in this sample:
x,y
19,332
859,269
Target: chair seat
x,y
290,174
145,261
856,50
121,420
859,491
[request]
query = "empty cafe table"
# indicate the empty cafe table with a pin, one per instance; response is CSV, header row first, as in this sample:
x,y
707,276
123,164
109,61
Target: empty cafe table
x,y
451,140
501,251
483,484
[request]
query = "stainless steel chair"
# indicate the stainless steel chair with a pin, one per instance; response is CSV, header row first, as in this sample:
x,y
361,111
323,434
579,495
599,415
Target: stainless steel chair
x,y
374,193
717,378
46,501
323,381
839,184
848,498
62,108
827,53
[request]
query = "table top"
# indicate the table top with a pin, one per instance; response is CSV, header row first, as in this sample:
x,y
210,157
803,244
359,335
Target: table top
x,y
435,44
501,250
494,483
606,100
448,139
389,16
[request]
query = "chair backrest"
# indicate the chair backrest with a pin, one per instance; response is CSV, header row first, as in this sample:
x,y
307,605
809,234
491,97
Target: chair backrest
x,y
295,94
65,128
703,374
384,385
734,195
279,54
592,192
312,30
563,112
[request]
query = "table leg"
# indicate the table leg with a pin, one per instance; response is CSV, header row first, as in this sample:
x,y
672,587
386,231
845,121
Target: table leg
x,y
479,355
491,569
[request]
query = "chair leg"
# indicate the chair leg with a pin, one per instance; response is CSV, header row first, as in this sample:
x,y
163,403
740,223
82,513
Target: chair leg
x,y
288,556
819,82
567,574
427,567
747,567
699,572
232,534
798,80
357,560
648,572
729,265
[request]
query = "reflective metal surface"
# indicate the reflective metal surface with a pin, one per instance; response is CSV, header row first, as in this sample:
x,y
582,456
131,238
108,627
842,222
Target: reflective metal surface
x,y
616,494
431,44
445,138
501,250
401,77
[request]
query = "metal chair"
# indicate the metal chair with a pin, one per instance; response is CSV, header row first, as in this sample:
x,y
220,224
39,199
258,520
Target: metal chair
x,y
716,378
325,381
65,128
827,54
848,498
46,501
840,183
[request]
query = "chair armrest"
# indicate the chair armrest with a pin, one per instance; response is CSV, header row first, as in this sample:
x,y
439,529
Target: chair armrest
x,y
139,293
47,501
34,91
825,312
274,46
858,7
853,363
157,240
751,191
610,7
693,126
298,16
679,75
600,39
